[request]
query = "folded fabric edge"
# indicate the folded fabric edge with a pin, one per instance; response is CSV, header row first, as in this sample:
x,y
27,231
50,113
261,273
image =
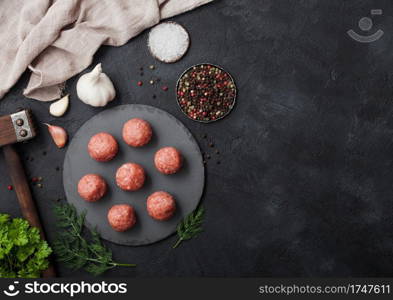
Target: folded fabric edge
x,y
177,7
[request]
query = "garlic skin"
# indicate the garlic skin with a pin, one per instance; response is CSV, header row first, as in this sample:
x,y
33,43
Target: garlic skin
x,y
59,107
59,135
95,88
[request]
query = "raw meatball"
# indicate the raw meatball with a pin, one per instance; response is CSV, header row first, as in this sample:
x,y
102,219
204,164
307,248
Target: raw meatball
x,y
121,217
137,132
92,187
168,160
161,206
102,147
130,177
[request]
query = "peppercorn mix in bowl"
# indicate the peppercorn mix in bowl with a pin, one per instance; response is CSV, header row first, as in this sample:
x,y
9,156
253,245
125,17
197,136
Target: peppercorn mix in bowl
x,y
206,93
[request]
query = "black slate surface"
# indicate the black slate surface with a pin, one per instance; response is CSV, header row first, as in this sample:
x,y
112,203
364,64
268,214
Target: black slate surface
x,y
304,187
186,186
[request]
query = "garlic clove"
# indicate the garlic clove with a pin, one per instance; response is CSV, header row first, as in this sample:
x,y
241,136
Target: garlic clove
x,y
59,107
59,135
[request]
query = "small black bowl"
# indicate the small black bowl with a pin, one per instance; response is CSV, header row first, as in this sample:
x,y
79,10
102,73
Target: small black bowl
x,y
178,97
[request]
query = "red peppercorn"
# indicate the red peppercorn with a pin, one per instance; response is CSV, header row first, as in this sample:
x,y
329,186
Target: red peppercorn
x,y
10,187
34,179
140,83
164,88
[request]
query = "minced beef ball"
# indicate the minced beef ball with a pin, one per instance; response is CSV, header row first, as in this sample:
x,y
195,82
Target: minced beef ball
x,y
168,160
161,206
137,132
92,187
130,177
102,147
121,217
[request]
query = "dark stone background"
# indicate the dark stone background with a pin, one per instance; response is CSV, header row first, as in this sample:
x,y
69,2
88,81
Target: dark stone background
x,y
304,187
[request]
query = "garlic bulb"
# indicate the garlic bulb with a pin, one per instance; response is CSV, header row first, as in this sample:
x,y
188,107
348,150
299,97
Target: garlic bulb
x,y
59,107
95,88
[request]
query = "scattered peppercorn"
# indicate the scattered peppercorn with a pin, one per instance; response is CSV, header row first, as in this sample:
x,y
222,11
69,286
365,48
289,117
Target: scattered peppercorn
x,y
39,185
218,162
154,96
211,145
34,179
164,88
40,178
204,136
140,83
44,153
152,67
206,93
57,168
217,152
141,73
10,187
151,82
141,68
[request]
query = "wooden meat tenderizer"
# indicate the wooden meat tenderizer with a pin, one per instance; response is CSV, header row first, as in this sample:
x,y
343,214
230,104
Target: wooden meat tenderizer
x,y
15,128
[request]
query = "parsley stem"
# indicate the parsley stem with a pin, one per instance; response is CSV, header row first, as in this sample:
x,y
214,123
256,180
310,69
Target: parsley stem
x,y
177,243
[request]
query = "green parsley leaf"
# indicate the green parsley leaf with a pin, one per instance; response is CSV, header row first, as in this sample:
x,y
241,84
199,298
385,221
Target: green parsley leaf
x,y
22,251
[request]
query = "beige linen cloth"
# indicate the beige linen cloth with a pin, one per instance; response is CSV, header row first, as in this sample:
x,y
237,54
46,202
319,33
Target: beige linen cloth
x,y
57,39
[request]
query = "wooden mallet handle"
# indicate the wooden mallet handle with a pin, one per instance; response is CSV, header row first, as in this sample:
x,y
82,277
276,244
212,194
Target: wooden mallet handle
x,y
22,189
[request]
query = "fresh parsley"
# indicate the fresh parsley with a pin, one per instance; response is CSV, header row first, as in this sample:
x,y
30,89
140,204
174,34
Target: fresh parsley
x,y
74,250
190,226
22,251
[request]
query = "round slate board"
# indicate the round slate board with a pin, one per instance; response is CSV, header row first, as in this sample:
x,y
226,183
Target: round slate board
x,y
186,186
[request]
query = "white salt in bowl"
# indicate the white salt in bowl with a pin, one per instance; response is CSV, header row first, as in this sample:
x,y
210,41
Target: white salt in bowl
x,y
168,42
